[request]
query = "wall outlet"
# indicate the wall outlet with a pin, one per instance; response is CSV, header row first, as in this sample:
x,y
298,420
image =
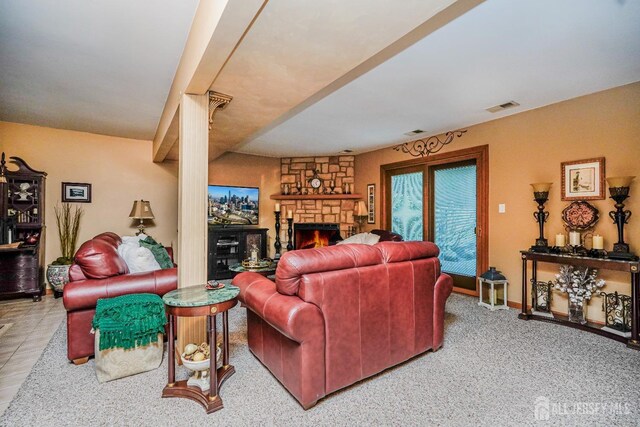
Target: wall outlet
x,y
502,208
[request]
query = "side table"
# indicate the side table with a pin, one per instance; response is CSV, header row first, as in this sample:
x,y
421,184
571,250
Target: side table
x,y
196,301
265,271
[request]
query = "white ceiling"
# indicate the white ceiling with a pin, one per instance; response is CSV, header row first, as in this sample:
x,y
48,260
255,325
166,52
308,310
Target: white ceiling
x,y
101,66
535,52
106,66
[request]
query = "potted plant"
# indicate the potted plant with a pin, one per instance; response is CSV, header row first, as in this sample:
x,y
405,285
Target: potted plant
x,y
68,222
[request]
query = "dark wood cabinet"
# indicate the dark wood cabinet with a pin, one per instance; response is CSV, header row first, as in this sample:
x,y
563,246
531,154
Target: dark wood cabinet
x,y
21,221
231,245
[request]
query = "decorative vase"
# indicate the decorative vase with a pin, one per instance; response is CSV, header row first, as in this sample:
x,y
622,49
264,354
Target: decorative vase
x,y
577,312
58,276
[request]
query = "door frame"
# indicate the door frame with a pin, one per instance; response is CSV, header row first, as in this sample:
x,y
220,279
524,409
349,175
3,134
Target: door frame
x,y
481,156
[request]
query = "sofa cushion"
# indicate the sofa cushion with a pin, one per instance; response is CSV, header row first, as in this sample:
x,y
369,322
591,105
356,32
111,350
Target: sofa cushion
x,y
109,237
99,259
138,258
362,238
294,264
159,252
406,251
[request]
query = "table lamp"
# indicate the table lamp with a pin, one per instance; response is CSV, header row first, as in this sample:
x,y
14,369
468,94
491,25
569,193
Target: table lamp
x,y
141,210
360,213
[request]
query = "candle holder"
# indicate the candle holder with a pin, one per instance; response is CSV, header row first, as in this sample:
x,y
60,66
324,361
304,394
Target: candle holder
x,y
290,234
617,310
332,186
541,298
541,195
299,187
619,191
277,244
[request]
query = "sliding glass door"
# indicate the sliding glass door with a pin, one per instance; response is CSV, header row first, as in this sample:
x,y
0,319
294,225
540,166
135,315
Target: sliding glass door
x,y
443,199
407,204
453,222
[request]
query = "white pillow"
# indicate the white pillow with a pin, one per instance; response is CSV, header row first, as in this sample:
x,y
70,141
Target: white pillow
x,y
362,238
138,258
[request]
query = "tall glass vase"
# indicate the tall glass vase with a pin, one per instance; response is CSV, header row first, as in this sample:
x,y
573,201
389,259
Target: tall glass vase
x,y
577,312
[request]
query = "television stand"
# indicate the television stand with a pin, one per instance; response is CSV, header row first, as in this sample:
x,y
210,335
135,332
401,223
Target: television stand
x,y
231,245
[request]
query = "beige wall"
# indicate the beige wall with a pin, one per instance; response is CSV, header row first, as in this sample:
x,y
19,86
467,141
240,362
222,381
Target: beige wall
x,y
528,147
120,171
251,171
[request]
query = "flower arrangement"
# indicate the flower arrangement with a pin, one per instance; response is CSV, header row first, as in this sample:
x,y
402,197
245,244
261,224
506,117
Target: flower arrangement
x,y
580,284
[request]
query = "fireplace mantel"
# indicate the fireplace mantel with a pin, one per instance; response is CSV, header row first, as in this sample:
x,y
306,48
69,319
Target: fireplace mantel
x,y
315,196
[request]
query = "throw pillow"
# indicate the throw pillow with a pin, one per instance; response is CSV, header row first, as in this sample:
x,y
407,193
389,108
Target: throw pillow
x,y
139,259
159,252
361,238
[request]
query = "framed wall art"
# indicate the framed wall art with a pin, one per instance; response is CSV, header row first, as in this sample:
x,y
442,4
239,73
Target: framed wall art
x,y
371,203
583,179
76,192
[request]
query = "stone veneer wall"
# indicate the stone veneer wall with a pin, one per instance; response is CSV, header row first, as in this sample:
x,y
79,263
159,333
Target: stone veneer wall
x,y
340,169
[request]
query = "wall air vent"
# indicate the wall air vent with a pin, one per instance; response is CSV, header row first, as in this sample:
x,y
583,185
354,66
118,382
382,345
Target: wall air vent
x,y
504,106
414,132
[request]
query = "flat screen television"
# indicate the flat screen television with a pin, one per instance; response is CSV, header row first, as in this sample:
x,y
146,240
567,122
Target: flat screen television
x,y
228,205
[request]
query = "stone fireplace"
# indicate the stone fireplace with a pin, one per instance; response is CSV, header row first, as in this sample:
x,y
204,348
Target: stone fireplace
x,y
313,235
318,207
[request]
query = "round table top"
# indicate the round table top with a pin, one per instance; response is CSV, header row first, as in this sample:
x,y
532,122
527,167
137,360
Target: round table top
x,y
198,296
238,268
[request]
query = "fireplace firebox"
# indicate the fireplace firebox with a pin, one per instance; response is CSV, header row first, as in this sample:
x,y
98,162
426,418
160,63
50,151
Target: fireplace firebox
x,y
312,235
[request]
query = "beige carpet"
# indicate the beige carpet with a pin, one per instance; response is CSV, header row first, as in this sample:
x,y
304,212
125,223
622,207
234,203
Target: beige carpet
x,y
494,370
4,328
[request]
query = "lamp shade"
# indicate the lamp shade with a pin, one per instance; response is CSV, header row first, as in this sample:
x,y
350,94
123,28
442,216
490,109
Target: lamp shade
x,y
361,209
620,181
541,187
141,210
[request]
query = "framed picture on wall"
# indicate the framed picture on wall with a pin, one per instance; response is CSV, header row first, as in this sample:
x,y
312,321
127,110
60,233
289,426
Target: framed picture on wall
x,y
371,203
76,192
583,179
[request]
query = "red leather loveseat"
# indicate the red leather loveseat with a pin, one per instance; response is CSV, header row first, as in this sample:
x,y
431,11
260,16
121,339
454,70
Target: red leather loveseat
x,y
99,272
339,314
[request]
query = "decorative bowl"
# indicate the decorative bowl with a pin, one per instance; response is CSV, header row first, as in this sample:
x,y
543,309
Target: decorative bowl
x,y
200,365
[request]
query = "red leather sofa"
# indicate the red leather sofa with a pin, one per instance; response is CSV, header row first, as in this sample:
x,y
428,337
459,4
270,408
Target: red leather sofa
x,y
336,315
99,272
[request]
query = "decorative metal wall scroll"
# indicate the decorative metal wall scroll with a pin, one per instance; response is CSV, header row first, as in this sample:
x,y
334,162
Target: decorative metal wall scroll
x,y
433,144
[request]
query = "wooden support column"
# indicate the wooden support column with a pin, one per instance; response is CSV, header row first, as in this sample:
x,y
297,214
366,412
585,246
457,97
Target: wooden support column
x,y
196,119
192,207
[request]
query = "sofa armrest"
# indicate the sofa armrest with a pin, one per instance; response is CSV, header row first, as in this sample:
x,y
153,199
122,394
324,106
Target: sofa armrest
x,y
294,318
441,291
84,294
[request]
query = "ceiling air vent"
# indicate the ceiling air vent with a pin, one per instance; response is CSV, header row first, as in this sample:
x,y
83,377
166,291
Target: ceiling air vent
x,y
504,106
414,132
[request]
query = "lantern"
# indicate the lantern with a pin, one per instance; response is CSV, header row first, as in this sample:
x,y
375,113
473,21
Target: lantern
x,y
541,298
493,290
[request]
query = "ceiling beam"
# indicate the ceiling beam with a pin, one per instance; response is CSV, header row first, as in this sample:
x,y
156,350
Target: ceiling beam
x,y
218,28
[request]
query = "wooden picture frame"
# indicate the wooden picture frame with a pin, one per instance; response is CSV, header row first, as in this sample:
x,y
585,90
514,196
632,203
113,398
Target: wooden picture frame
x,y
371,203
76,192
583,179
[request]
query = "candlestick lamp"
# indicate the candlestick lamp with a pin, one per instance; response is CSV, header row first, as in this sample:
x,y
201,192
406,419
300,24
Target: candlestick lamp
x,y
541,195
619,191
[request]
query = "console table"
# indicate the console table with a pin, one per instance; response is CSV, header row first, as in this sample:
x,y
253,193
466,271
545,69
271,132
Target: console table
x,y
632,267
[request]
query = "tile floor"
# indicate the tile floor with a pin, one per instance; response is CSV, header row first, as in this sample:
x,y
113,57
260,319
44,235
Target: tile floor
x,y
33,324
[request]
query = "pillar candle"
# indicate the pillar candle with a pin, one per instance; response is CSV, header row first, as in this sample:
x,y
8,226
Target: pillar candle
x,y
277,207
598,242
289,214
574,238
561,240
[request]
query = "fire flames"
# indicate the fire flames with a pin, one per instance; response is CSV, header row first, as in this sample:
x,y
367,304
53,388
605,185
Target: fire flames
x,y
313,239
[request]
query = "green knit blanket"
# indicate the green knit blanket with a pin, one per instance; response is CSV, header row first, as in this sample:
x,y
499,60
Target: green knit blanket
x,y
129,321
